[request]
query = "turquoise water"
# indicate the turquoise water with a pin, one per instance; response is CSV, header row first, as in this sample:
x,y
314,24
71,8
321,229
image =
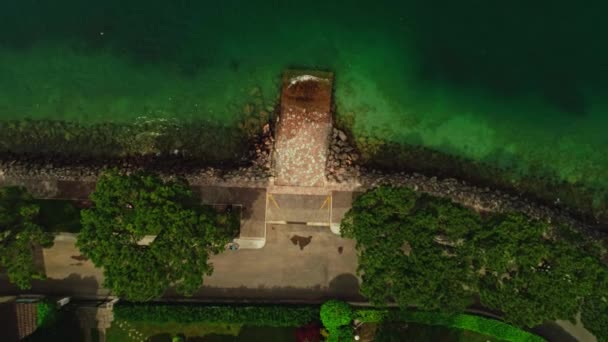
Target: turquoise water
x,y
513,84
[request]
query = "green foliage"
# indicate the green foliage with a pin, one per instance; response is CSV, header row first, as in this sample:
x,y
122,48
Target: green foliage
x,y
336,316
341,334
428,252
477,324
399,256
262,316
529,275
594,312
336,313
59,216
127,208
64,327
46,313
19,236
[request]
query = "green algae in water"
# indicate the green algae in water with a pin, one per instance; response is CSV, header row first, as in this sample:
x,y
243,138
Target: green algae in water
x,y
515,85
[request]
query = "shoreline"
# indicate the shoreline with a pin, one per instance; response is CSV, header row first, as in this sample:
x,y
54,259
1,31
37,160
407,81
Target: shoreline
x,y
346,169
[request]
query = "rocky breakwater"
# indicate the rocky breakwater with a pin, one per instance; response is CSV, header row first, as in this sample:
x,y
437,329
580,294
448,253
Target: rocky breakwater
x,y
260,157
341,166
255,172
482,199
344,172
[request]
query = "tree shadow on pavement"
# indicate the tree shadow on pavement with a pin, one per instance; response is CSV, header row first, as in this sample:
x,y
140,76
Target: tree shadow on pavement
x,y
344,286
73,285
553,332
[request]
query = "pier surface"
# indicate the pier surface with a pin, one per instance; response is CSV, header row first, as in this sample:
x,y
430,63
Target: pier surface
x,y
303,129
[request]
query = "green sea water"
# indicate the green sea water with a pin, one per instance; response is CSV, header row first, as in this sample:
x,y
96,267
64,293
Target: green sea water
x,y
521,84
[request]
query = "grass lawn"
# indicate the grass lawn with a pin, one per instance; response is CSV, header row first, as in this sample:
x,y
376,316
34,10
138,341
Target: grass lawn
x,y
395,332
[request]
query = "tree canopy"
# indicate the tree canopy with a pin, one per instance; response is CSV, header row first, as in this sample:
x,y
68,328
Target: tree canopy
x,y
594,313
419,250
20,236
400,258
128,208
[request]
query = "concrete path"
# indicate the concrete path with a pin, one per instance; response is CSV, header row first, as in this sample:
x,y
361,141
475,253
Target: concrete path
x,y
297,263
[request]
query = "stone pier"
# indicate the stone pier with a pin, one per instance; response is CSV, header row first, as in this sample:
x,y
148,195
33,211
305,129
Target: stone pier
x,y
303,129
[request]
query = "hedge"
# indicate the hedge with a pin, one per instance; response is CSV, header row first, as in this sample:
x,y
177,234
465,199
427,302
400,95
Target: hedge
x,y
482,325
46,313
267,316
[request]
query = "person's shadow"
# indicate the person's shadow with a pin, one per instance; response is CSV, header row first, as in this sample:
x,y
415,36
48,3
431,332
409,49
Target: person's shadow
x,y
301,241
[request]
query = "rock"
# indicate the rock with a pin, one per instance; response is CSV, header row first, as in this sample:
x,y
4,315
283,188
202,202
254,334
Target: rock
x,y
341,135
336,149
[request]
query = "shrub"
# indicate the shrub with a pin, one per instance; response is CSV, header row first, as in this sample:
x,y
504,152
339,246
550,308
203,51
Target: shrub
x,y
341,334
267,316
336,317
46,313
482,325
335,313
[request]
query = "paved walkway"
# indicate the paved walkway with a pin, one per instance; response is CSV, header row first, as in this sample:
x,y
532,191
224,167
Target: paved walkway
x,y
298,263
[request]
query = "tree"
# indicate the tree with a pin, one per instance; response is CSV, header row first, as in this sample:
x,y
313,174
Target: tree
x,y
530,273
410,249
428,252
19,236
594,312
129,208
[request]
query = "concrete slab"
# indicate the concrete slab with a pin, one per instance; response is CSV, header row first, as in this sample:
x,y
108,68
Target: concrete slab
x,y
303,129
298,263
298,208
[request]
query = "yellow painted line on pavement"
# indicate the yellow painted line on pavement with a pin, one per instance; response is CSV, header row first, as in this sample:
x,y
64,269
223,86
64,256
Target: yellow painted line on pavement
x,y
327,201
274,201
